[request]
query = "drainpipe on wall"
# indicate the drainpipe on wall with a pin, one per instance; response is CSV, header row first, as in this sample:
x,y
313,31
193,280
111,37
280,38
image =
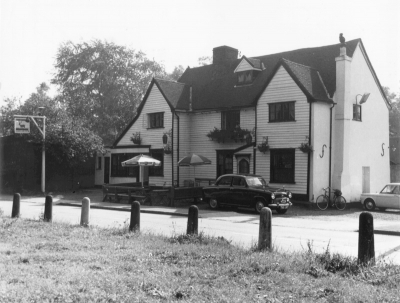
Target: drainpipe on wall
x,y
177,148
172,150
190,100
255,142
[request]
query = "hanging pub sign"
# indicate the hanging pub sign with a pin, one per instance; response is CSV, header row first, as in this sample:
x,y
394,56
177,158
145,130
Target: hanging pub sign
x,y
22,126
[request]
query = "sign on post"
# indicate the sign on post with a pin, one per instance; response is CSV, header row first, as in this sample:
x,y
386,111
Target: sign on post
x,y
22,126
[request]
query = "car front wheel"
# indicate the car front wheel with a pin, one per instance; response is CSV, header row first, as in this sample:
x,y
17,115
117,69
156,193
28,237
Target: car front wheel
x,y
369,204
213,203
259,205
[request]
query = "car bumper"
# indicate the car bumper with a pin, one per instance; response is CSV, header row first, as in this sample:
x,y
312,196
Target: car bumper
x,y
285,205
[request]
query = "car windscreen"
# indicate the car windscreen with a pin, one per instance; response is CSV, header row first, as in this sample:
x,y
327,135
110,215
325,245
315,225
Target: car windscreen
x,y
390,189
256,181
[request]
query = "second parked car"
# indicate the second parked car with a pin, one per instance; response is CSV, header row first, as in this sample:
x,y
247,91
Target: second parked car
x,y
388,197
249,191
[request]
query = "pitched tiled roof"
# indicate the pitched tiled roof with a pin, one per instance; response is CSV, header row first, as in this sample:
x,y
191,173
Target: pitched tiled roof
x,y
214,86
177,94
256,63
308,79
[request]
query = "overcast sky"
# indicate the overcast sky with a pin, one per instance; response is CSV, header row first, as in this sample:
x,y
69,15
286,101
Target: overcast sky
x,y
179,32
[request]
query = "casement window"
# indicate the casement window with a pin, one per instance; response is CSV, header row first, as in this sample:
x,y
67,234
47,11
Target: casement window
x,y
245,77
116,168
155,120
282,165
99,160
357,112
281,112
230,119
157,171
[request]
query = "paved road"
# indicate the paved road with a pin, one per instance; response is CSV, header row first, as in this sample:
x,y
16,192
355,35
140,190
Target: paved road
x,y
289,234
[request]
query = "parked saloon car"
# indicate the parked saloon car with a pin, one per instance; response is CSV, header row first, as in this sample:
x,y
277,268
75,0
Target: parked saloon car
x,y
388,197
249,191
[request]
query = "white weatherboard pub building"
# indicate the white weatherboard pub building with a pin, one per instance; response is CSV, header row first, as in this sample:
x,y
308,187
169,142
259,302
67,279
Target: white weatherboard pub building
x,y
328,98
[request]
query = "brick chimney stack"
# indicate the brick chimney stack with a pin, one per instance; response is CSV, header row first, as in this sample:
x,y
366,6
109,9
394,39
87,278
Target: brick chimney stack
x,y
224,54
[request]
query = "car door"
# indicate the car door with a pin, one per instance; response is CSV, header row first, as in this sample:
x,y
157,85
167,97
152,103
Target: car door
x,y
396,193
224,188
236,196
388,198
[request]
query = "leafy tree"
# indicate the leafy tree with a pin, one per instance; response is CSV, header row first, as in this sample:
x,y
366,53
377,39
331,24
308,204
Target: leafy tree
x,y
68,141
103,83
176,73
205,60
394,114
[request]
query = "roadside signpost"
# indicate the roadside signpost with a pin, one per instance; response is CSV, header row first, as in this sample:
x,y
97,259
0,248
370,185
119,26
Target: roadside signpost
x,y
22,126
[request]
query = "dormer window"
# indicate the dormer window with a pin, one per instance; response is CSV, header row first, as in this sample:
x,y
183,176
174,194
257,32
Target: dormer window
x,y
247,70
245,77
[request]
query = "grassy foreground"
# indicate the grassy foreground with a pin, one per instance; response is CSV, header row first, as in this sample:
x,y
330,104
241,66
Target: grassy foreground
x,y
48,262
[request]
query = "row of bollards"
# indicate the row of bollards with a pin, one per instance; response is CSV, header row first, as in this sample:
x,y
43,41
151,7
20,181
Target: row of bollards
x,y
366,248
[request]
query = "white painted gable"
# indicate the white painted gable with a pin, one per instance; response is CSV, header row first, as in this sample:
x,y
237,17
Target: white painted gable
x,y
243,66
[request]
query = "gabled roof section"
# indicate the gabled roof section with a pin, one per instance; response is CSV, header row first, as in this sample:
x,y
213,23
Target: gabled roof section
x,y
308,79
248,64
256,63
176,94
214,86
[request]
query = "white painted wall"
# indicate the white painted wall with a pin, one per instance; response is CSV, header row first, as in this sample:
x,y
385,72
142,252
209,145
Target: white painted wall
x,y
243,66
155,103
282,88
319,166
185,129
201,123
366,137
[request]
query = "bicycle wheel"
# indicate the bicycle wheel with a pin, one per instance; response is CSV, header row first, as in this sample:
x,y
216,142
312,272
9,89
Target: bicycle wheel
x,y
340,202
322,202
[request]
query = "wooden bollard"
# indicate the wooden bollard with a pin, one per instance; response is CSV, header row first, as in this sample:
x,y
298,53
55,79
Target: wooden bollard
x,y
193,221
16,204
48,209
135,216
85,211
366,246
265,232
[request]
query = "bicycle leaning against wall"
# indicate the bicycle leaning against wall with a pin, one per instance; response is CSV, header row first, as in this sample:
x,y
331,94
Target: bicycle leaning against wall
x,y
338,200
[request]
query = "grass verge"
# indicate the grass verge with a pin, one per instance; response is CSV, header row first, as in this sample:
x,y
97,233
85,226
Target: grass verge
x,y
49,262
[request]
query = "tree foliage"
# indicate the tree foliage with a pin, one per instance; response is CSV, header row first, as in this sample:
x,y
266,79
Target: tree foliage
x,y
176,73
205,60
67,140
394,114
103,83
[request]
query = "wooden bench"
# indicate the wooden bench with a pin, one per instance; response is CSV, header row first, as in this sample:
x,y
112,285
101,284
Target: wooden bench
x,y
120,192
151,194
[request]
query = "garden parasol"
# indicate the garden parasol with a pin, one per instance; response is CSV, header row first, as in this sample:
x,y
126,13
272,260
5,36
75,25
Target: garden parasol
x,y
141,160
193,160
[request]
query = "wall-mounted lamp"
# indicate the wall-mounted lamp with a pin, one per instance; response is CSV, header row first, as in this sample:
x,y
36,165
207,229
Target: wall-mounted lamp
x,y
363,99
